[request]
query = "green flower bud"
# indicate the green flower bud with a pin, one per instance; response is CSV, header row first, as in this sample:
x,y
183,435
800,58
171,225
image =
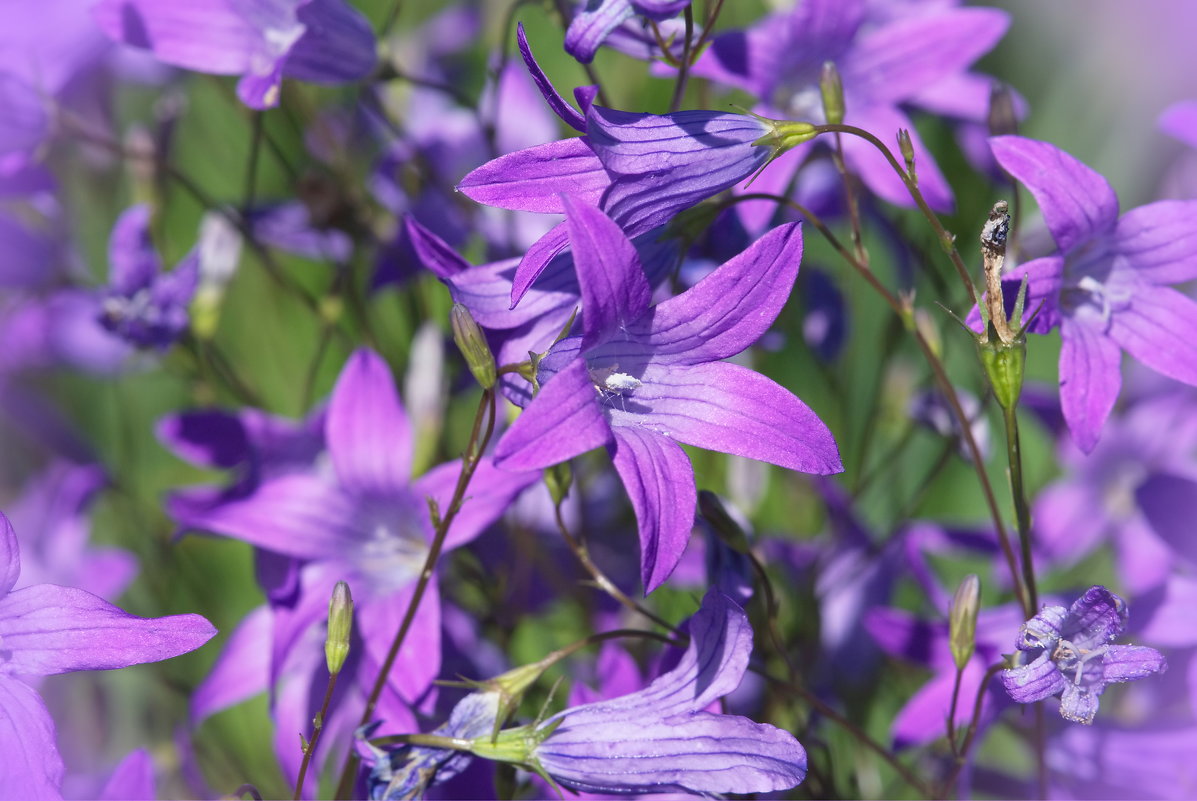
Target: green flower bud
x,y
832,90
1004,365
340,625
472,344
907,148
558,478
962,620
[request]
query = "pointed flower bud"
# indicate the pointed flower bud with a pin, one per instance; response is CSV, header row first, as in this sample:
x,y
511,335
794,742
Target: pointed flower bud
x,y
962,620
907,148
1003,117
832,90
340,625
473,346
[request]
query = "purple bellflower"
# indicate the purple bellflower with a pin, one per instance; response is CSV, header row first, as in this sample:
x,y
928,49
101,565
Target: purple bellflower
x,y
1071,653
595,20
664,738
640,379
1106,287
47,629
885,65
321,41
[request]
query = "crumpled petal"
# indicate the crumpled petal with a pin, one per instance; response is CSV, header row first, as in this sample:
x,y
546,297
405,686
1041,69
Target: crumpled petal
x,y
368,434
1079,704
50,629
1033,682
1077,203
660,482
1094,619
1159,241
31,767
1130,662
1090,377
1158,327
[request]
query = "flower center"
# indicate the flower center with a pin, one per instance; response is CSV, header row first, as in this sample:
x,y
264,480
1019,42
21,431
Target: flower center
x,y
392,552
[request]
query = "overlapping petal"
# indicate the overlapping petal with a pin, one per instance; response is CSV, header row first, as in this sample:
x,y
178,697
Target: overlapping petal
x,y
31,767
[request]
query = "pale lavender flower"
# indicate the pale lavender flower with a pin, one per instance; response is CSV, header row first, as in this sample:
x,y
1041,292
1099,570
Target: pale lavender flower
x,y
47,629
1070,652
641,379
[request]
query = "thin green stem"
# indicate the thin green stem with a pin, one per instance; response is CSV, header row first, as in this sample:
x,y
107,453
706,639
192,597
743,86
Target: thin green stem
x,y
1022,509
683,70
952,709
317,728
971,732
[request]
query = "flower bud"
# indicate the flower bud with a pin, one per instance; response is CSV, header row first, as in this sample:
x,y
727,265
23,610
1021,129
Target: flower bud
x,y
785,134
832,90
558,478
962,620
472,344
1004,365
907,148
1002,118
340,625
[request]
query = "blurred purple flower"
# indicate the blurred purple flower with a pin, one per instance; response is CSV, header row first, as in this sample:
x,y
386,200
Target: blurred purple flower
x,y
1070,652
47,629
321,41
640,379
595,20
1180,121
1106,287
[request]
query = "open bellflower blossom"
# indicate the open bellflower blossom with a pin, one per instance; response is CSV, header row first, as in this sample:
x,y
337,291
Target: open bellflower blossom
x,y
1106,286
640,379
1072,654
321,41
46,629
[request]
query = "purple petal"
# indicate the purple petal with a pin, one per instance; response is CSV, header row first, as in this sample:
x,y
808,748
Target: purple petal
x,y
10,556
1170,621
50,629
728,408
923,718
1130,662
32,256
490,492
202,35
1159,241
1090,378
419,659
883,121
336,47
591,25
1169,503
1158,327
1180,120
1069,520
133,262
730,308
31,767
563,420
660,482
368,435
297,515
1094,619
206,438
1077,203
536,178
568,114
435,253
1078,704
614,290
895,62
132,779
241,671
1034,682
537,259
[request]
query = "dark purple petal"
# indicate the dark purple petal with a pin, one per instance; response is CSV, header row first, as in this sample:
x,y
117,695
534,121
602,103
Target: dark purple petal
x,y
1034,682
435,253
659,9
730,308
563,420
1169,503
50,629
1159,241
1090,378
10,556
133,263
895,62
1130,662
591,25
1043,630
241,671
615,292
31,767
208,438
1077,203
368,435
660,482
1158,327
724,407
132,779
568,114
1079,704
336,47
1094,619
536,178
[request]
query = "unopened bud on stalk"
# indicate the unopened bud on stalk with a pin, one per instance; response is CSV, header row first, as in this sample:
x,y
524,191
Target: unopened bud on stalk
x,y
472,344
962,620
558,478
1002,119
832,90
340,626
907,148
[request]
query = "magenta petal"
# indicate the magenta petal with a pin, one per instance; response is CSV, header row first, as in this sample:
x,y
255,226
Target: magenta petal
x,y
241,671
924,717
724,407
1180,120
10,556
1090,378
367,431
298,515
419,659
31,766
490,492
562,421
50,629
1076,202
731,307
1159,241
132,779
875,170
1159,328
614,290
534,179
660,482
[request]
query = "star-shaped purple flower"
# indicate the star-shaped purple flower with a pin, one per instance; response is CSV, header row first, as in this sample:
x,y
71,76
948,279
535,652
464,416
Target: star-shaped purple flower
x,y
1106,287
1071,653
46,629
640,379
